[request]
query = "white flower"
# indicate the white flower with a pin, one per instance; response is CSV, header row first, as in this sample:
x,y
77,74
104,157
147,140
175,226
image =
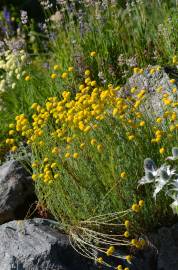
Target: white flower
x,y
2,85
18,76
13,85
23,57
17,70
10,74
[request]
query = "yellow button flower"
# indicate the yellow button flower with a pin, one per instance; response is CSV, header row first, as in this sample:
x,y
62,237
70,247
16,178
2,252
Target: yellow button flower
x,y
141,203
53,165
11,125
93,54
100,147
126,234
110,251
87,129
159,89
64,75
14,148
174,90
115,111
56,175
100,260
81,87
56,67
10,141
136,70
82,145
127,223
34,177
88,81
174,60
135,208
152,71
27,78
134,242
128,258
53,76
93,141
172,81
123,174
167,101
45,160
142,123
172,128
162,150
70,69
131,137
75,155
159,120
34,106
93,83
133,89
87,72
55,150
67,155
11,132
34,165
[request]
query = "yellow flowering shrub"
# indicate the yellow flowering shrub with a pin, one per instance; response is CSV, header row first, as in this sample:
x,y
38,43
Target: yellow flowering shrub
x,y
87,150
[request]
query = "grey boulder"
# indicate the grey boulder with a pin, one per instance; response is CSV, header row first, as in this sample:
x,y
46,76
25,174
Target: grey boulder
x,y
37,244
150,83
166,241
16,191
161,251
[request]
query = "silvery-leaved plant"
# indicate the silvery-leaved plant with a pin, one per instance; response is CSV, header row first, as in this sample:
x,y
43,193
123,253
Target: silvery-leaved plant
x,y
174,154
175,184
163,177
150,172
174,205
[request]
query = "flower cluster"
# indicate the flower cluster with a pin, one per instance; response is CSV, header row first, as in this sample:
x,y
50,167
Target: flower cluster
x,y
76,117
11,65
